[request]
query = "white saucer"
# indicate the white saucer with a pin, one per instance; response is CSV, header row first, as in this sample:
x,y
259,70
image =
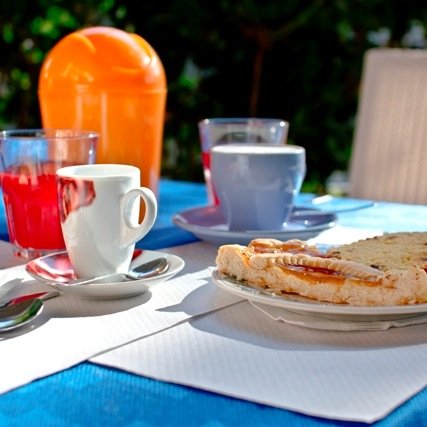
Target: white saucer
x,y
306,312
208,223
56,271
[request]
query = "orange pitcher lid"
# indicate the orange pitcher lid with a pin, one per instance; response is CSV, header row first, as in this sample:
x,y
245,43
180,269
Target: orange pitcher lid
x,y
102,58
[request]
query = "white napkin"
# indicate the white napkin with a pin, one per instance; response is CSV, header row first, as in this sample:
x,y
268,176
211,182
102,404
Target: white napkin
x,y
240,352
337,324
71,330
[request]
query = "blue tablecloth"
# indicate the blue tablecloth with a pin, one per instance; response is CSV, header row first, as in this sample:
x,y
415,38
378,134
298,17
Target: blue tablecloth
x,y
92,395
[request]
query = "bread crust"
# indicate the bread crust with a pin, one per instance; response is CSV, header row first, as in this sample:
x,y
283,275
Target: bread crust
x,y
385,270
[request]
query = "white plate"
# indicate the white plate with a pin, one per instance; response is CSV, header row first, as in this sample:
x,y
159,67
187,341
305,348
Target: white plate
x,y
305,306
56,271
208,223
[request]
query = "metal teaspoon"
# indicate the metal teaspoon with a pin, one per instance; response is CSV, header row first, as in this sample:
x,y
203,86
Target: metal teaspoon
x,y
148,269
22,310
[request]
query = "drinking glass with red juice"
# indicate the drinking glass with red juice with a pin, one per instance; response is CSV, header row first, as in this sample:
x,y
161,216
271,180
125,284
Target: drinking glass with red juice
x,y
29,159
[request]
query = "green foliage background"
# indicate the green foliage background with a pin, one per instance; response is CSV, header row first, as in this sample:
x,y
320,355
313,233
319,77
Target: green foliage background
x,y
299,60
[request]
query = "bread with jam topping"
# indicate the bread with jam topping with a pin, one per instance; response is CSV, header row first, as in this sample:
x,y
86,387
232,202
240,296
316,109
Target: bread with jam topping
x,y
384,270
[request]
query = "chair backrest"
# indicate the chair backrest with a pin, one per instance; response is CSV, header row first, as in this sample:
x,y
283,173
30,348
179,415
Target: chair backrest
x,y
389,157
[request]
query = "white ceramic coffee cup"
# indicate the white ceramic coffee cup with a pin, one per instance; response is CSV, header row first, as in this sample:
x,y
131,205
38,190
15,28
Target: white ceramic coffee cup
x,y
99,208
257,184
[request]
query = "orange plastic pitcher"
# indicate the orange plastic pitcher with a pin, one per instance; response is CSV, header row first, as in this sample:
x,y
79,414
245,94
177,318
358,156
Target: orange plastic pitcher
x,y
113,82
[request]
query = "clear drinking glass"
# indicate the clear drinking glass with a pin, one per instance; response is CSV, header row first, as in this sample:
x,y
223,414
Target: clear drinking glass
x,y
29,159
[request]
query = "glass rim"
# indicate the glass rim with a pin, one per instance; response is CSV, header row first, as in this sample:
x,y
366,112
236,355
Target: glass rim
x,y
243,120
257,149
47,133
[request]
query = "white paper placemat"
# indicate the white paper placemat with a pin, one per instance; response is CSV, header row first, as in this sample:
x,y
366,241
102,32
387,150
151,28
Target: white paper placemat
x,y
71,330
236,351
240,352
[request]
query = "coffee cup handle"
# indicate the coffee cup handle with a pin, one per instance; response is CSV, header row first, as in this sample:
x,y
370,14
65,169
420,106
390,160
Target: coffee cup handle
x,y
130,233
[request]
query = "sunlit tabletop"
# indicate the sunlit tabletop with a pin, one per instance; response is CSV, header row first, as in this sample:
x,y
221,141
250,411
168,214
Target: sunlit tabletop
x,y
90,394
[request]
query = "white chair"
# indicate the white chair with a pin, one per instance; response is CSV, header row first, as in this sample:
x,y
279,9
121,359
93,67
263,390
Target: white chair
x,y
389,157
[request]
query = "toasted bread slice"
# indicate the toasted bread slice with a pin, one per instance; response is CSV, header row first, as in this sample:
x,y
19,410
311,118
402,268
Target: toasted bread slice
x,y
384,270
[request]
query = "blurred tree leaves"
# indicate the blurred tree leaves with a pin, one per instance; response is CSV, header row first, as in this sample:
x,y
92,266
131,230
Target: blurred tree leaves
x,y
298,59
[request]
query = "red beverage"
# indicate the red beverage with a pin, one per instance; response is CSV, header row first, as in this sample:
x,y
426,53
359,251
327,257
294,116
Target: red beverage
x,y
31,204
206,162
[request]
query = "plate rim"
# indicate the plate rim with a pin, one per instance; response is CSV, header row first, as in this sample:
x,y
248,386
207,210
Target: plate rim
x,y
314,307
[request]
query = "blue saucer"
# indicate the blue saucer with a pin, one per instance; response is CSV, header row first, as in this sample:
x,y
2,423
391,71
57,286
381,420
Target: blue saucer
x,y
208,223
